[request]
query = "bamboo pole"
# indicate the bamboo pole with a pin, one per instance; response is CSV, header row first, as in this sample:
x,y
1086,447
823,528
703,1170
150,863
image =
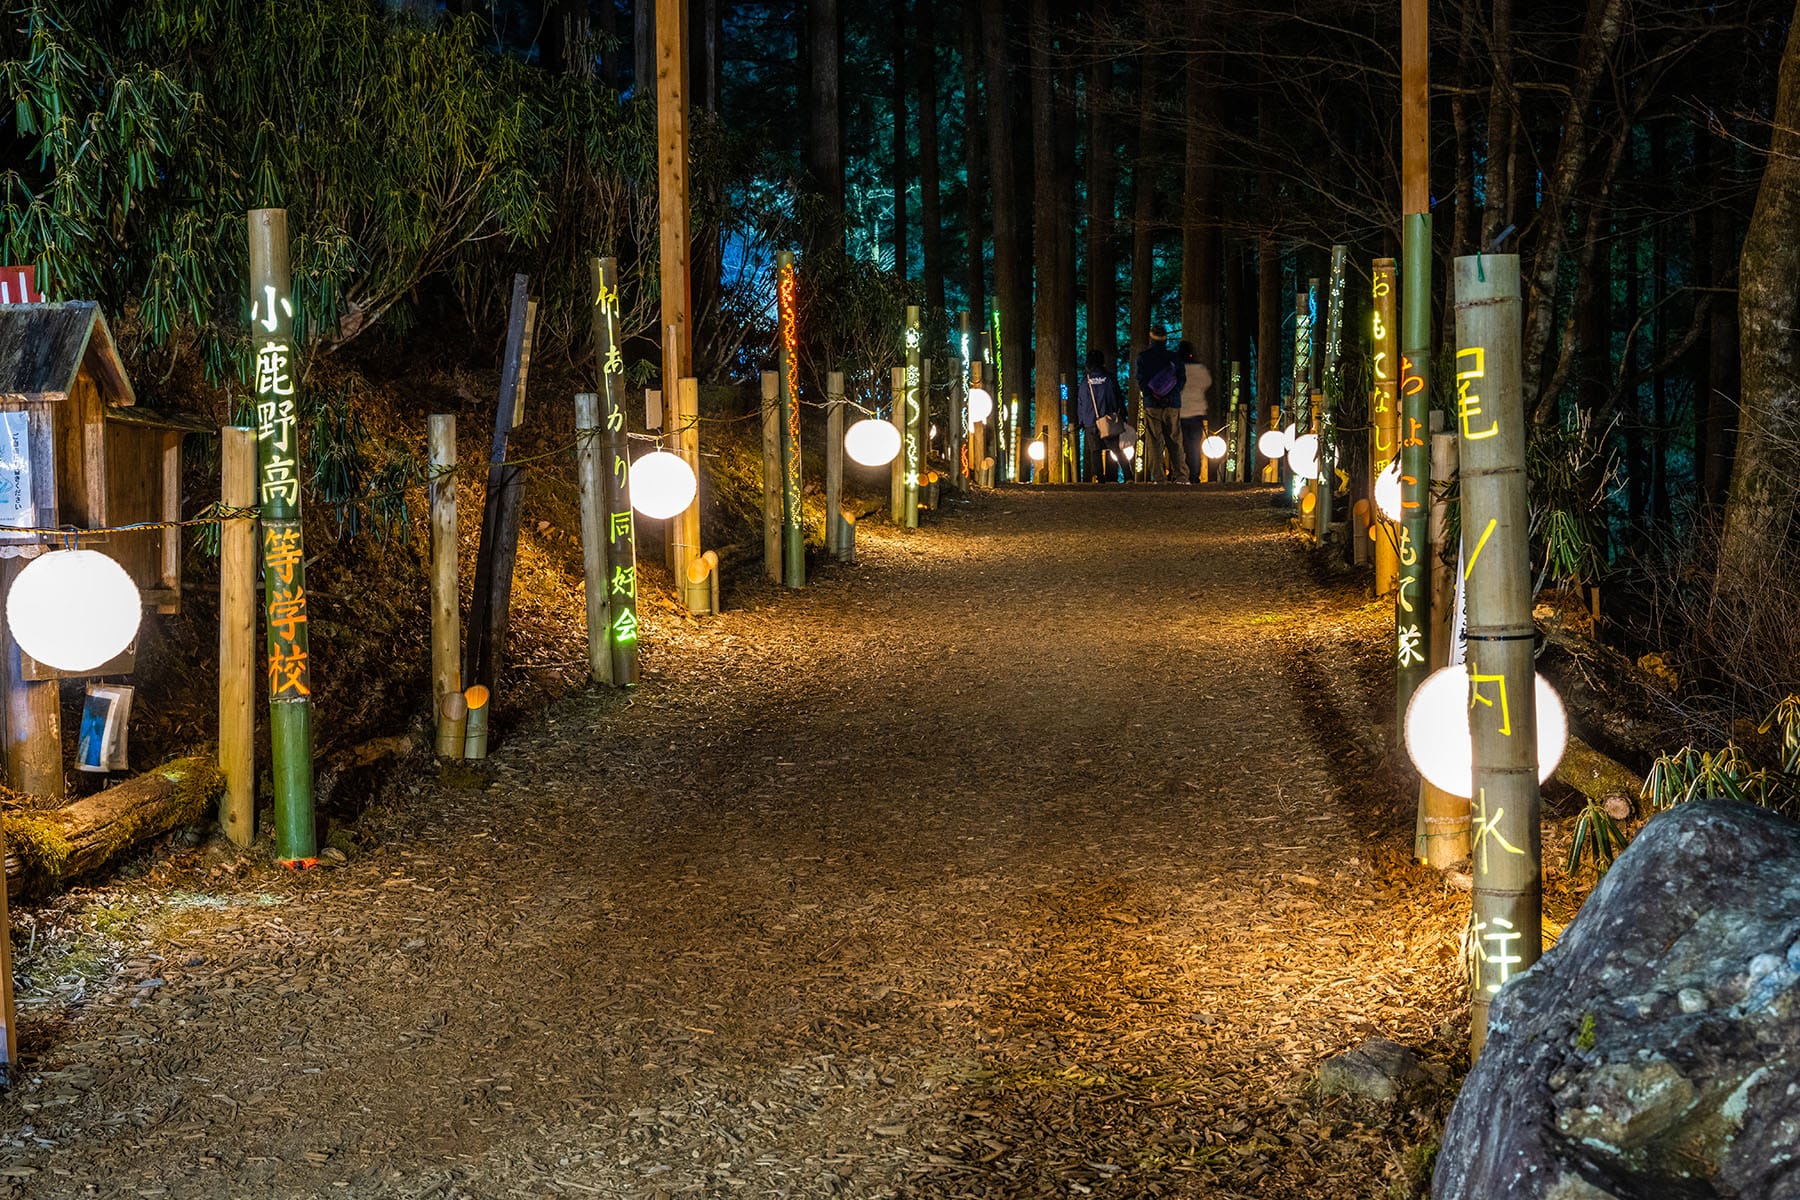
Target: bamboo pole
x,y
686,526
490,603
593,534
1446,817
897,469
1411,601
1507,922
9,1017
771,471
1384,408
237,636
672,194
33,711
959,402
1234,438
912,431
787,360
620,532
1331,371
283,550
978,430
446,607
834,463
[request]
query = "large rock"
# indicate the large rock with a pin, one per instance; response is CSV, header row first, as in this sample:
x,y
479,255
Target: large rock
x,y
1654,1054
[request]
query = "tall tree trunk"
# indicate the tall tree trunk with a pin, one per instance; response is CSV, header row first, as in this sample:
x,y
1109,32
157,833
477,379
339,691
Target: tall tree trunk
x,y
1199,212
1010,281
1605,21
931,235
1102,193
1048,356
901,174
1721,383
612,71
825,130
1143,226
1067,172
975,167
643,30
1764,500
703,54
1269,307
1500,117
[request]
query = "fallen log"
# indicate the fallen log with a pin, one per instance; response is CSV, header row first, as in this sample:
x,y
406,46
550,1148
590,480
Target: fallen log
x,y
44,848
1599,778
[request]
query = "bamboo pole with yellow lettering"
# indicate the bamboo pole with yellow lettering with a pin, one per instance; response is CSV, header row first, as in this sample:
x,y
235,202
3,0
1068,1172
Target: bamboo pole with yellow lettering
x,y
1384,425
1507,922
615,465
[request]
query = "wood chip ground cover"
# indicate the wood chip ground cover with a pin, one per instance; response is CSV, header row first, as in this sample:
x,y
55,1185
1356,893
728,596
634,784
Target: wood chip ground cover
x,y
1045,853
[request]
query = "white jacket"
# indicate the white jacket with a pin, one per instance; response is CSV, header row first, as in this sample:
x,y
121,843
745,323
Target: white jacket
x,y
1193,393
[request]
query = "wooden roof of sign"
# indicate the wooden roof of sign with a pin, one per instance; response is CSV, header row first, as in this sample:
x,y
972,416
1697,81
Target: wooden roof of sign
x,y
44,346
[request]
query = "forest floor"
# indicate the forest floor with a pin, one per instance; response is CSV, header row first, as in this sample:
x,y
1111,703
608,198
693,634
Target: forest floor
x,y
1048,851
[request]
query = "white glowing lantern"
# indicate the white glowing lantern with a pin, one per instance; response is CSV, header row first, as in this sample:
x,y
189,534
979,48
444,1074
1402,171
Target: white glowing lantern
x,y
1287,437
1437,730
872,442
1034,450
662,485
1213,447
1387,491
1303,456
981,405
74,609
1131,452
1272,444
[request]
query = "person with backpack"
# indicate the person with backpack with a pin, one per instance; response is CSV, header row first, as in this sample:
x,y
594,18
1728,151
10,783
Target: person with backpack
x,y
1160,376
1101,411
1193,408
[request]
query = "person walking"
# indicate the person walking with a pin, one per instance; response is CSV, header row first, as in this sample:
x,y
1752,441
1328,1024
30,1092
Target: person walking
x,y
1159,377
1193,408
1101,411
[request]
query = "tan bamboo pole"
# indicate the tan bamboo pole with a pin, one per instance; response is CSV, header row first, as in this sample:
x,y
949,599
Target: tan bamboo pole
x,y
787,368
771,473
1384,409
9,1017
1445,817
834,463
593,534
1507,923
912,429
237,636
446,606
978,431
897,469
956,435
687,524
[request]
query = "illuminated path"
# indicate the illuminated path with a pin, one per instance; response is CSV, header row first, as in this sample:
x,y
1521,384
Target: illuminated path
x,y
1031,857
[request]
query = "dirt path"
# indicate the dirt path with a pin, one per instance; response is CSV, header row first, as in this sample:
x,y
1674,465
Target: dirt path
x,y
1032,857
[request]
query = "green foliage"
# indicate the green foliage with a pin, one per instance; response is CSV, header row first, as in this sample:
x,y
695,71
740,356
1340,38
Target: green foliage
x,y
851,314
1585,1037
1568,479
1598,837
1694,774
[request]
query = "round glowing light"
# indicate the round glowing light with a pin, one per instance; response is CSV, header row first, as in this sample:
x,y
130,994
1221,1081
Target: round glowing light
x,y
1034,450
1437,730
662,485
1387,491
1213,447
74,609
1303,456
912,337
1272,444
1287,437
1131,452
872,442
981,405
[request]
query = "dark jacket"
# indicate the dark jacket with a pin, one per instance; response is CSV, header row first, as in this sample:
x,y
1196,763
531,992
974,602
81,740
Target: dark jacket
x,y
1149,365
1096,397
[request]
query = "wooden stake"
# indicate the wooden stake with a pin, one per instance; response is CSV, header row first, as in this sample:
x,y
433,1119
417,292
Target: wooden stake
x,y
283,551
771,464
1507,928
687,525
491,605
237,636
588,453
9,1017
620,527
834,463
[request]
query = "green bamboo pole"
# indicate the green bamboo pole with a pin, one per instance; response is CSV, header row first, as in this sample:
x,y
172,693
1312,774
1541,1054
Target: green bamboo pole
x,y
1507,924
1235,441
621,537
959,401
787,367
1384,412
1302,384
283,550
911,432
1411,604
1334,385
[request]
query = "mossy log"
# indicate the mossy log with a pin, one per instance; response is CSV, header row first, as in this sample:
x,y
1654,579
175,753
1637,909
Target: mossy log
x,y
46,848
1599,778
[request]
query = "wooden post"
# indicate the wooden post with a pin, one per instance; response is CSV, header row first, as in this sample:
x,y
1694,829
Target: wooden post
x,y
978,469
672,190
615,457
897,470
1323,513
912,435
1507,929
446,602
771,472
593,533
1446,817
237,636
33,711
687,525
787,362
9,1018
1384,426
490,605
834,463
1411,601
959,402
283,551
